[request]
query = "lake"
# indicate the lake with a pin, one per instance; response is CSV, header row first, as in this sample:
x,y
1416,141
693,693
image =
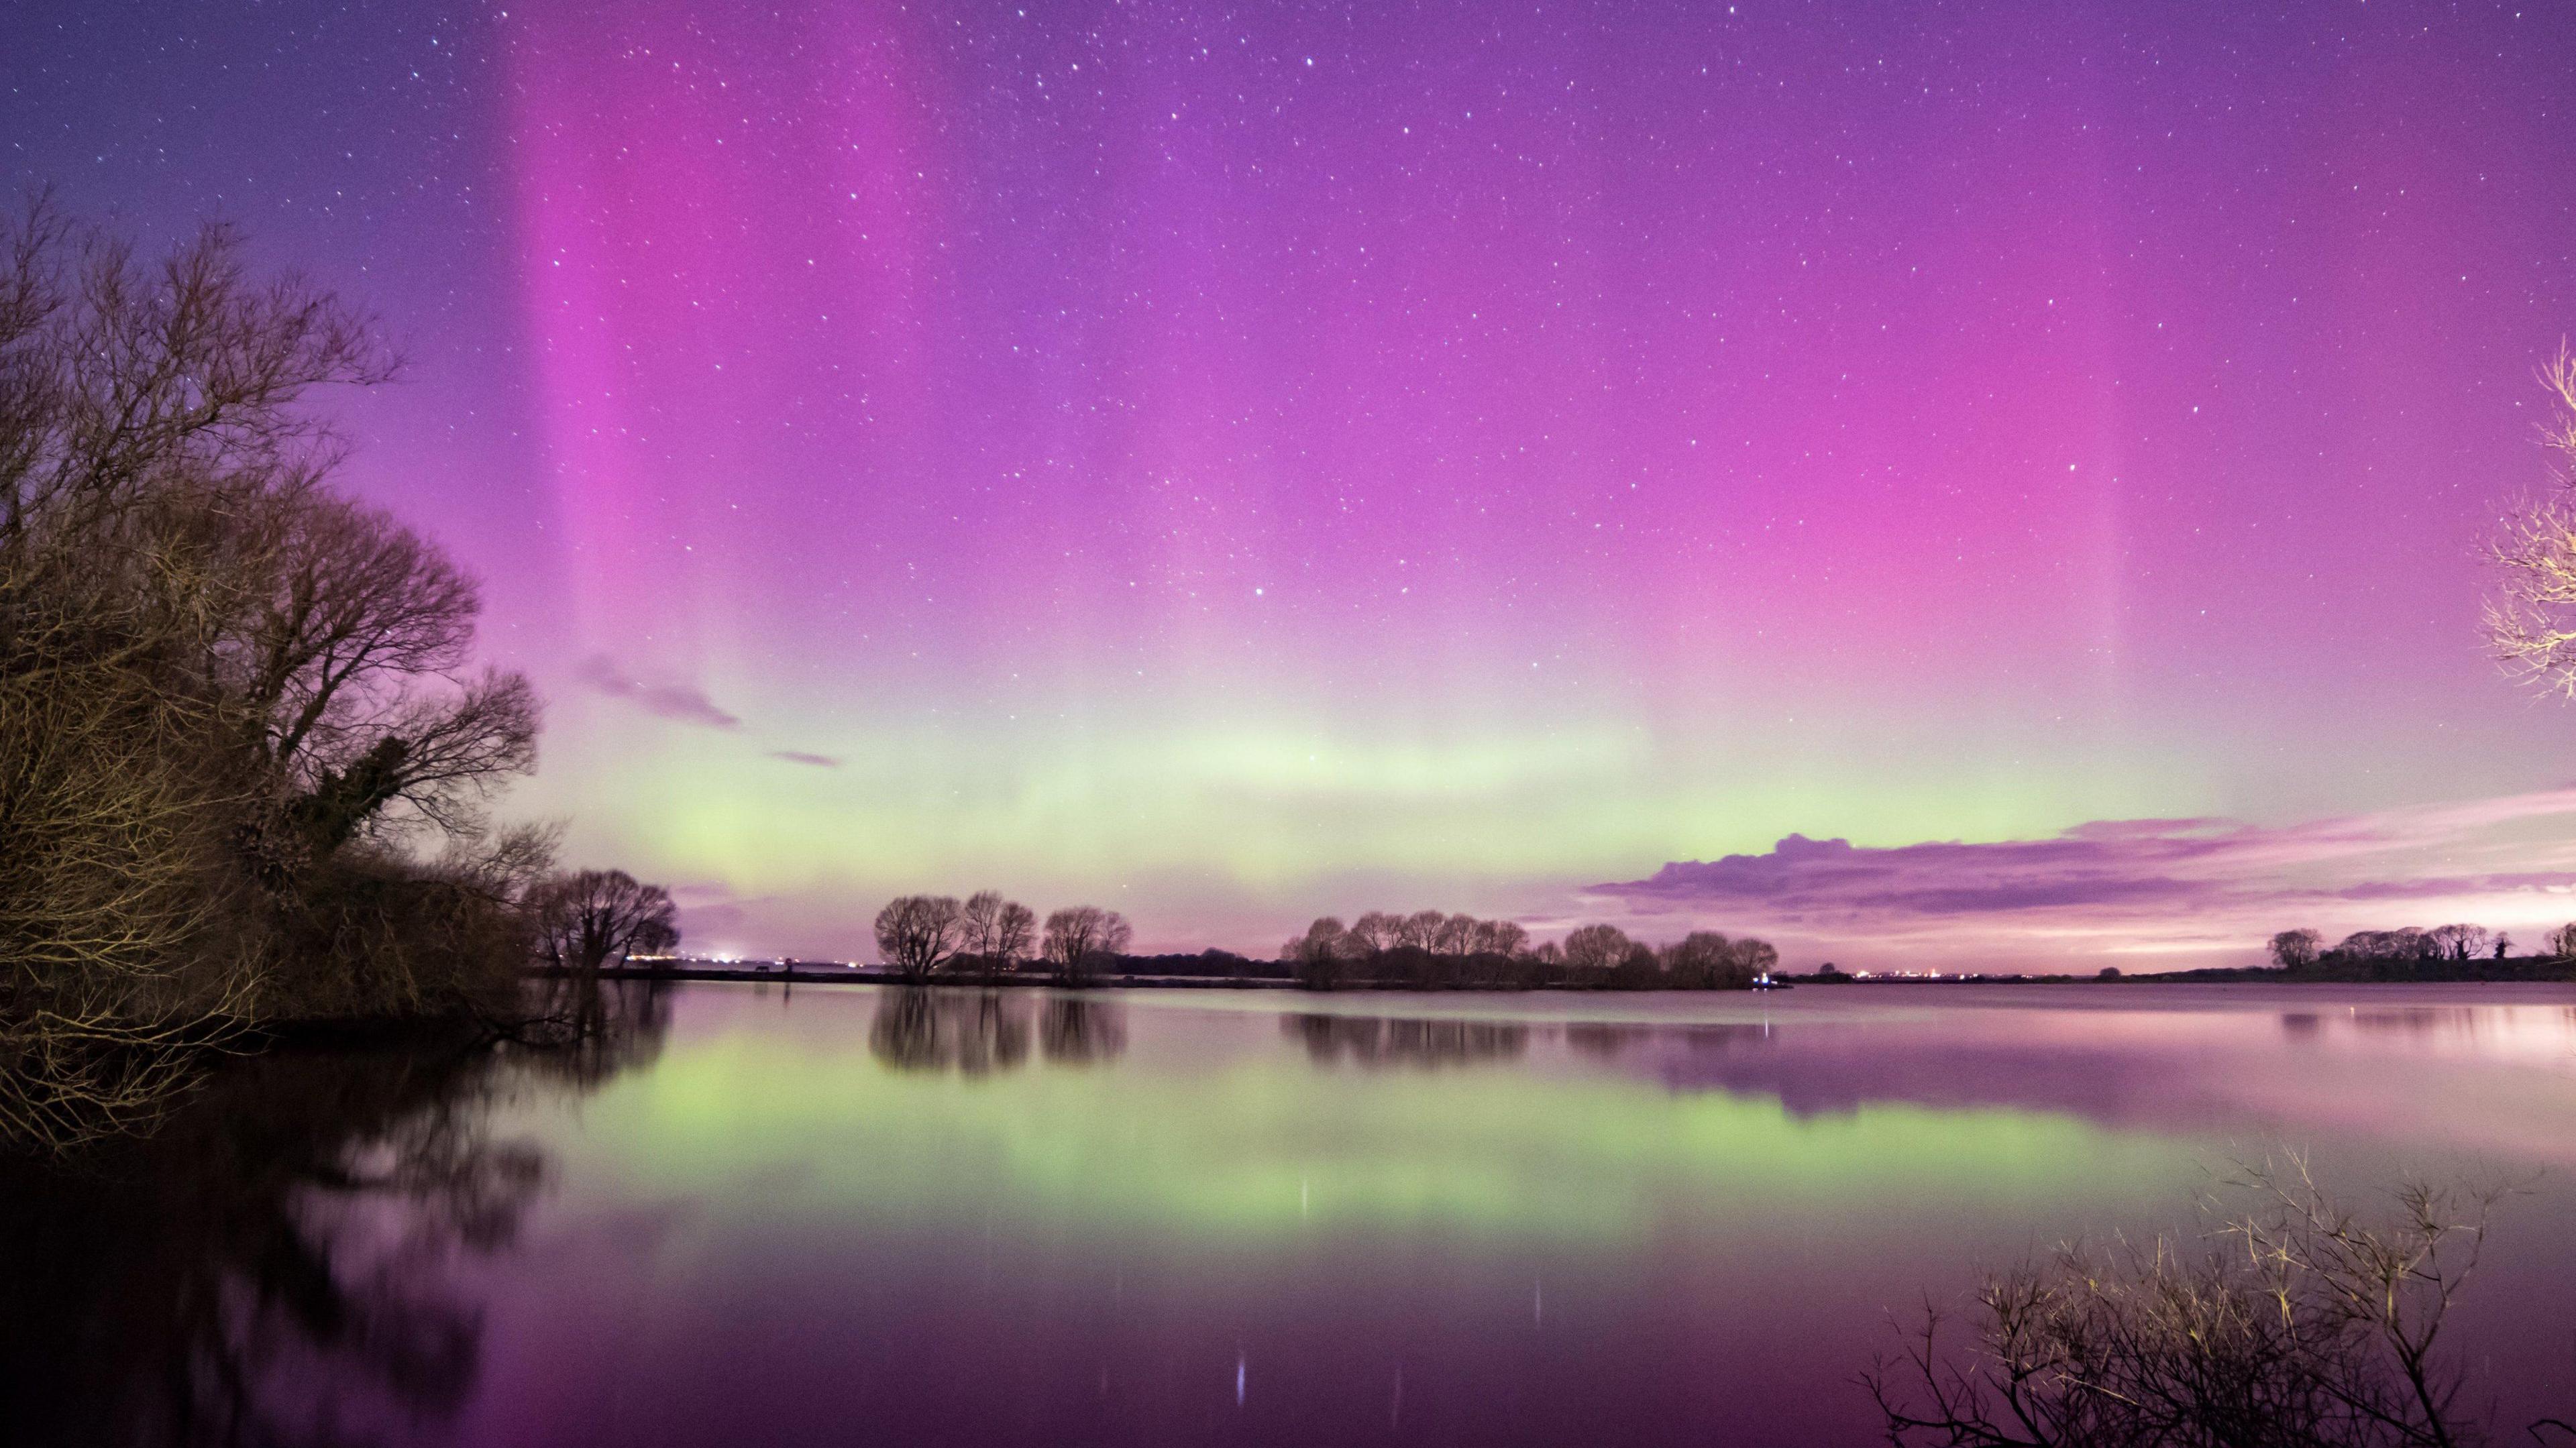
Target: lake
x,y
846,1214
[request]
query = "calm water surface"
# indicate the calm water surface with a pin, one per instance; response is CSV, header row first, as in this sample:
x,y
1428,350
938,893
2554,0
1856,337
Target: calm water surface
x,y
851,1214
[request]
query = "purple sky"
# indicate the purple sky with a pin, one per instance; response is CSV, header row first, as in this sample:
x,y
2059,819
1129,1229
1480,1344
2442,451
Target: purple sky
x,y
1236,463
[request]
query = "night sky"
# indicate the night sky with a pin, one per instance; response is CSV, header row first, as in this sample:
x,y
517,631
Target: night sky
x,y
1233,463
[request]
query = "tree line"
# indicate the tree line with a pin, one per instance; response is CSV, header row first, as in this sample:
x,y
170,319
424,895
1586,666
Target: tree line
x,y
2443,952
1430,950
926,936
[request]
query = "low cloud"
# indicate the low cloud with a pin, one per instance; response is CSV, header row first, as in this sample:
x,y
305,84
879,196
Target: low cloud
x,y
681,702
799,756
2206,888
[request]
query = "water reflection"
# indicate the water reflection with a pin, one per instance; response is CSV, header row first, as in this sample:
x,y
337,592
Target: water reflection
x,y
1375,1041
980,1032
1075,1029
277,1261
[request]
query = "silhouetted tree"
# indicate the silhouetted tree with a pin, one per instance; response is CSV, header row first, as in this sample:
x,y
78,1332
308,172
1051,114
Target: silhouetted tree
x,y
2562,942
2296,949
997,930
1319,954
1080,937
1377,930
1501,937
1596,948
2459,942
917,934
2297,1322
587,919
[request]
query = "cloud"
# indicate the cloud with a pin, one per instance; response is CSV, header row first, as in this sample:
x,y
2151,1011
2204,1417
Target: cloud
x,y
2207,887
680,702
799,756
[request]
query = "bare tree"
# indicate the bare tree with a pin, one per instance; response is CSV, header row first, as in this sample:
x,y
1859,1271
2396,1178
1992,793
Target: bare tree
x,y
997,930
1319,954
1080,936
1456,935
2301,1324
215,675
2460,942
2296,949
1500,937
917,934
1596,947
2531,620
1421,929
1376,931
587,919
1699,958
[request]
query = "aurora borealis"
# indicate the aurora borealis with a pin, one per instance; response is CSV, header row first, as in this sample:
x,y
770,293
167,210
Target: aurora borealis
x,y
1235,463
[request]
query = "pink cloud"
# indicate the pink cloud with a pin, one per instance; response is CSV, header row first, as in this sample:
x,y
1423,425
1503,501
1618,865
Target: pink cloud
x,y
2190,891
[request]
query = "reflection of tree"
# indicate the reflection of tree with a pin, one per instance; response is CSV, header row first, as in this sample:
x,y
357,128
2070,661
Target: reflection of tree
x,y
927,1028
1392,1041
589,1029
978,1032
1077,1029
271,1263
1605,1040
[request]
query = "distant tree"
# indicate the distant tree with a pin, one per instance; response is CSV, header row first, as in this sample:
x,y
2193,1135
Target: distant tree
x,y
2503,943
1596,947
2459,942
917,934
1549,953
2296,949
1375,931
998,930
1697,958
2562,942
2108,972
1080,937
1421,929
1319,953
1830,970
1753,957
1500,937
1456,935
2531,620
588,919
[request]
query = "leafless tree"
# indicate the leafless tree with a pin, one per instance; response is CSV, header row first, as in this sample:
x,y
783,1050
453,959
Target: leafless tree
x,y
2302,1323
587,919
1596,947
1421,929
2296,949
1376,931
1701,958
1500,937
998,930
1319,954
2531,620
1080,937
917,934
215,676
1456,935
2460,942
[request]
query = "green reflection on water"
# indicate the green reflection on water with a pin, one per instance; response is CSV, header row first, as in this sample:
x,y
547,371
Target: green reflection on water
x,y
1253,1145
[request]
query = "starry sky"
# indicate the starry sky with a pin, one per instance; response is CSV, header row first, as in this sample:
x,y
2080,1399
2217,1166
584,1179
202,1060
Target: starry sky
x,y
1569,460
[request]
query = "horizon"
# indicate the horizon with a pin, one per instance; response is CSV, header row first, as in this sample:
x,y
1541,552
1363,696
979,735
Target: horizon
x,y
1921,491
